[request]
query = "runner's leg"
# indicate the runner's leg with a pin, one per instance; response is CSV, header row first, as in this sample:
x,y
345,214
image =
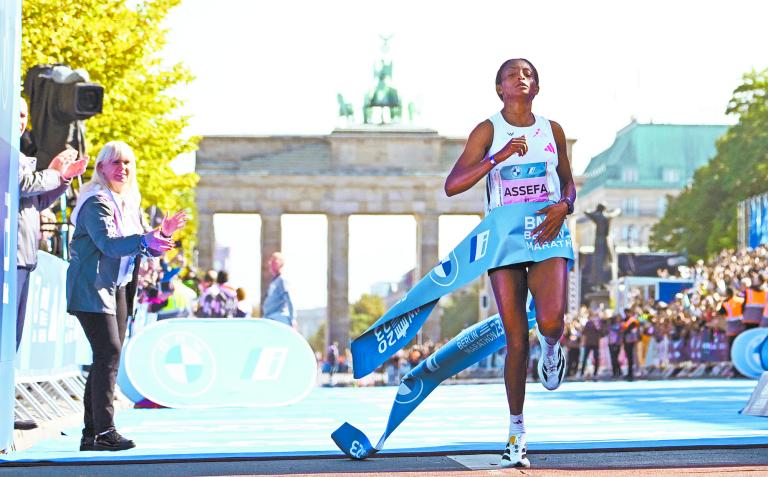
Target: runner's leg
x,y
548,281
510,290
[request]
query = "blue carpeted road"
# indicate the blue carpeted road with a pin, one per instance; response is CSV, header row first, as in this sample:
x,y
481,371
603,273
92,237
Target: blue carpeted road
x,y
608,415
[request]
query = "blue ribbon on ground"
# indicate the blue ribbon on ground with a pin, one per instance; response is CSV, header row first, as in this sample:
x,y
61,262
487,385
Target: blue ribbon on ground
x,y
470,346
502,238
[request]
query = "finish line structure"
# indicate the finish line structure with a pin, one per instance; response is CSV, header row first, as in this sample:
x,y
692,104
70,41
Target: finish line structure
x,y
454,419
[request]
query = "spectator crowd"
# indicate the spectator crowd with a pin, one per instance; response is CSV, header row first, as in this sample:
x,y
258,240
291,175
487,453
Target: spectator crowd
x,y
689,336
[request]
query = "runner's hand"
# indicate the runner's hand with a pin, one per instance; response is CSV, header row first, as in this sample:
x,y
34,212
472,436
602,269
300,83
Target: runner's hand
x,y
516,145
552,223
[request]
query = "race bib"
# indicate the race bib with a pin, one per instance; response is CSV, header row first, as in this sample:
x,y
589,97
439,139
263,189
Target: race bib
x,y
524,183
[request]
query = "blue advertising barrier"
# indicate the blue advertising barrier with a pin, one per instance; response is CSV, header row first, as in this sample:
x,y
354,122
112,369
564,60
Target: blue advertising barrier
x,y
10,65
749,352
195,363
757,220
53,345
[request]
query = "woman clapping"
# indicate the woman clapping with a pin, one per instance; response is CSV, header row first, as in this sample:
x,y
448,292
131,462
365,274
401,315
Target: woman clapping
x,y
110,233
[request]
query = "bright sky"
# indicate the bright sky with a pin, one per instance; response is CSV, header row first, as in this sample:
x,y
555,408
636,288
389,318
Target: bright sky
x,y
275,67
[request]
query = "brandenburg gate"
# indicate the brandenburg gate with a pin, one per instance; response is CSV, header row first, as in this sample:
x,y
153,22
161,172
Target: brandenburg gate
x,y
366,169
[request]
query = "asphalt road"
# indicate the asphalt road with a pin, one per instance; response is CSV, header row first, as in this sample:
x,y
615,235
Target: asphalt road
x,y
698,462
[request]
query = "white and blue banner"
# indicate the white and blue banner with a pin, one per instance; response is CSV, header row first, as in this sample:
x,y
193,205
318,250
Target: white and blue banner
x,y
466,349
10,65
54,344
757,226
502,238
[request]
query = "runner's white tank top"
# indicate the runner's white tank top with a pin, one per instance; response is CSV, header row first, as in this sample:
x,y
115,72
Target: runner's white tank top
x,y
531,178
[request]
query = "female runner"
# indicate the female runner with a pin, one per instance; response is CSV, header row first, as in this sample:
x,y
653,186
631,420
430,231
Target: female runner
x,y
511,150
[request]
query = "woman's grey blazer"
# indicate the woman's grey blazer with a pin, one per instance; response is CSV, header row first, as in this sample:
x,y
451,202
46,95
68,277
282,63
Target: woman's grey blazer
x,y
96,249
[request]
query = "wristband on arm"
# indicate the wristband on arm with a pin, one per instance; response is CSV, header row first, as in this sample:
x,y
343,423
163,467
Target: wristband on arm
x,y
569,203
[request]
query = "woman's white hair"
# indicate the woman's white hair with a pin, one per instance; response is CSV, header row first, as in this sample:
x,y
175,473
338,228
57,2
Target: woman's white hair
x,y
111,151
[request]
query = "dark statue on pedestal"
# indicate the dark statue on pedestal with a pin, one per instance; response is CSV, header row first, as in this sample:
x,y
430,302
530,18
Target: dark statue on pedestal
x,y
600,272
384,96
382,104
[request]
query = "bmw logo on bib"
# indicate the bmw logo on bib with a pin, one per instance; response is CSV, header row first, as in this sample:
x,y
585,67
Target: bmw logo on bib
x,y
446,272
516,171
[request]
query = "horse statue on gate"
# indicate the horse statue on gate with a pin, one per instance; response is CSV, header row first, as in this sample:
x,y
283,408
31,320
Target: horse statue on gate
x,y
345,108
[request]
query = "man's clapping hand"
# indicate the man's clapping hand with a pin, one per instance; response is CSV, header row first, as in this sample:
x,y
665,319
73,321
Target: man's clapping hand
x,y
67,164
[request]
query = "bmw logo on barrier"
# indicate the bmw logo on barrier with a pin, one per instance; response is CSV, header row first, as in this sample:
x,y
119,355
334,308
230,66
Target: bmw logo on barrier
x,y
183,364
446,272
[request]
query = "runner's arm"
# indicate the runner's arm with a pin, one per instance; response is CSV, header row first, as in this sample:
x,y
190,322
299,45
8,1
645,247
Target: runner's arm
x,y
473,164
567,185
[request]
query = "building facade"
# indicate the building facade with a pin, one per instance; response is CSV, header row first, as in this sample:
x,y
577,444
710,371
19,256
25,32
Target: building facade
x,y
646,165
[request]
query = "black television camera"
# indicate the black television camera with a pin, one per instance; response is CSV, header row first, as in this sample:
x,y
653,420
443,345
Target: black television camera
x,y
61,99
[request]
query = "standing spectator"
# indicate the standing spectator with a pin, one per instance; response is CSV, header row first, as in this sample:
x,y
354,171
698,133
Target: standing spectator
x,y
754,302
415,356
644,339
732,308
243,305
573,344
332,358
215,301
393,367
222,279
630,332
277,304
614,344
37,191
109,234
179,299
592,332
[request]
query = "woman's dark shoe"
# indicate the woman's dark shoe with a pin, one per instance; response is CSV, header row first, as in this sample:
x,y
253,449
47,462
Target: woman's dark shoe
x,y
86,443
112,441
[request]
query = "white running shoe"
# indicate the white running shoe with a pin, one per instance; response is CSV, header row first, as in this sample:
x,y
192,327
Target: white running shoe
x,y
515,455
552,369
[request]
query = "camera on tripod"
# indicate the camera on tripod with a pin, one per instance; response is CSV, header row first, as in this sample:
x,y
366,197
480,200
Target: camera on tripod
x,y
60,100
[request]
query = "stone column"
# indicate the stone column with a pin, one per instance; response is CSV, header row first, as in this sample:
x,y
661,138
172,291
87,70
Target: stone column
x,y
427,237
338,281
270,243
205,239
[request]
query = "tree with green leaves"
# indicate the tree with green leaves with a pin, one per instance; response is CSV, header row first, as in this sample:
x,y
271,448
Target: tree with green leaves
x,y
459,310
702,219
119,44
364,312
